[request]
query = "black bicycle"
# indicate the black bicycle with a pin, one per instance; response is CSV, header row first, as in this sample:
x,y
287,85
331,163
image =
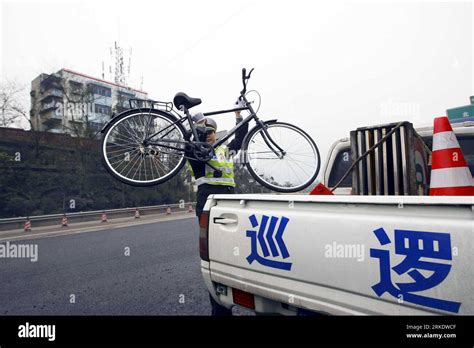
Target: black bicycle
x,y
149,144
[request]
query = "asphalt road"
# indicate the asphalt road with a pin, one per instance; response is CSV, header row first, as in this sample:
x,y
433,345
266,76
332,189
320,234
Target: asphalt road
x,y
161,275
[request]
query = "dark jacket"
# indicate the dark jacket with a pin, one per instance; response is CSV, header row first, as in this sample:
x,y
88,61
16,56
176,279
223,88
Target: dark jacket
x,y
199,168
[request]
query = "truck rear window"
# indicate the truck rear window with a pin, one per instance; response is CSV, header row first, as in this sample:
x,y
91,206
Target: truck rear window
x,y
344,160
341,164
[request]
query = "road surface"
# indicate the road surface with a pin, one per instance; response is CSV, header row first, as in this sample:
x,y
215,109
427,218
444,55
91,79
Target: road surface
x,y
146,269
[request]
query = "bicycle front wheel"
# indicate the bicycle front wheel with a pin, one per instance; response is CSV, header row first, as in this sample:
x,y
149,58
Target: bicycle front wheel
x,y
292,170
127,155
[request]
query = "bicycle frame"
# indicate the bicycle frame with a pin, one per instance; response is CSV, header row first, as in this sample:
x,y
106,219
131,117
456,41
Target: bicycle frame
x,y
253,116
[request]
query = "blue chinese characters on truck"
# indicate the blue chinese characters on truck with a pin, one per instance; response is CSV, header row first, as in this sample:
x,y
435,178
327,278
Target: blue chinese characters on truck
x,y
276,245
415,245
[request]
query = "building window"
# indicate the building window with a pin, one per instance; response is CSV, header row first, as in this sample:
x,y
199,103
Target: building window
x,y
124,95
103,109
100,90
76,87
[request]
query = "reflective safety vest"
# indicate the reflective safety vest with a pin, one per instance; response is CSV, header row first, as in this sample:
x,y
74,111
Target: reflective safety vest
x,y
222,162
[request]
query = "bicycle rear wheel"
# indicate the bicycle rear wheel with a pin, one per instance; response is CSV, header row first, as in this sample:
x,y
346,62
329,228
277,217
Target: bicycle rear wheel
x,y
298,166
128,158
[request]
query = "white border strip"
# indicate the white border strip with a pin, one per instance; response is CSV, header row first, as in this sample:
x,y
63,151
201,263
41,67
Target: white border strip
x,y
451,177
445,140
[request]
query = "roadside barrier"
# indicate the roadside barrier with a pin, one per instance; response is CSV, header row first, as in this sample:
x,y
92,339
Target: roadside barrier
x,y
26,222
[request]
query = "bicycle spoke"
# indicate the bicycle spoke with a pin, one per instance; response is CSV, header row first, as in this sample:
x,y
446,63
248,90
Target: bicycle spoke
x,y
135,161
125,138
151,168
297,161
140,173
134,158
160,165
146,177
156,164
124,149
120,160
119,155
139,166
131,129
290,164
126,132
121,166
121,150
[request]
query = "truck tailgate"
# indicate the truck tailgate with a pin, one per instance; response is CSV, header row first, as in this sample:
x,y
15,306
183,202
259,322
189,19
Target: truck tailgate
x,y
347,254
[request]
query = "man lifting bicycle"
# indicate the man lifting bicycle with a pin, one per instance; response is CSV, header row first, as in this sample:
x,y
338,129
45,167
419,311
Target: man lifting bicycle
x,y
207,181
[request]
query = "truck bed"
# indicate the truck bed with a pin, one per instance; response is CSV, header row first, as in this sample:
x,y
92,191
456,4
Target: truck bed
x,y
395,255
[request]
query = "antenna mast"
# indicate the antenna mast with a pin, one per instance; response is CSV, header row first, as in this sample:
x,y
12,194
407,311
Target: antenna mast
x,y
119,69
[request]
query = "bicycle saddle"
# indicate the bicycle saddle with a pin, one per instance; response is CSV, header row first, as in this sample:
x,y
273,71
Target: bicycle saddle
x,y
185,100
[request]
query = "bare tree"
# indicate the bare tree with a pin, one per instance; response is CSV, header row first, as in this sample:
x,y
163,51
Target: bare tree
x,y
12,109
79,102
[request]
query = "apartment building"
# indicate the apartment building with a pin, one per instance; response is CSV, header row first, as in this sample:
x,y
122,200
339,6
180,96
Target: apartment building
x,y
75,103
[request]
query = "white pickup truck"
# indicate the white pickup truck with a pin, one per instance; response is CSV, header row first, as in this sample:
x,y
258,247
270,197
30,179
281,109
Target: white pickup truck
x,y
342,254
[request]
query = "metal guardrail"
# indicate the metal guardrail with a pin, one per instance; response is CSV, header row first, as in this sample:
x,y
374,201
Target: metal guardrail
x,y
55,219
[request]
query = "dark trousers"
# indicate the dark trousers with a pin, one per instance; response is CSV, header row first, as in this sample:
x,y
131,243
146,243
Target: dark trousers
x,y
205,190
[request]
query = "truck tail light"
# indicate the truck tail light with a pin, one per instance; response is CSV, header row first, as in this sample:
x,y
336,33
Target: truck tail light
x,y
204,236
243,298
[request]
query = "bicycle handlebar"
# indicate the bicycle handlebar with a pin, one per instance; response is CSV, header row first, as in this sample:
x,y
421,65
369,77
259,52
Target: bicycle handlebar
x,y
245,78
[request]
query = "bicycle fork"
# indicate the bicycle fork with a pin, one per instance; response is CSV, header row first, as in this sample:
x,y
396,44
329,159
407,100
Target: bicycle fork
x,y
267,138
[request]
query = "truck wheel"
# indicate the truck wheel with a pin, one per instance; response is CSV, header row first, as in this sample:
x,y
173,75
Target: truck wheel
x,y
218,310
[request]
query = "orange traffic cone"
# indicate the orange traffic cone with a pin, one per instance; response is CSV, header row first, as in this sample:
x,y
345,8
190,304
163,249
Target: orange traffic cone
x,y
190,208
137,214
27,225
64,221
450,175
168,211
103,217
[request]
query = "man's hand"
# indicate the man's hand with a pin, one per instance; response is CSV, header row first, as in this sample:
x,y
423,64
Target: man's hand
x,y
240,103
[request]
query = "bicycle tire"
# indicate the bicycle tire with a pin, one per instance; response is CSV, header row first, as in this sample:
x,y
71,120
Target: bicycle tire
x,y
269,185
121,118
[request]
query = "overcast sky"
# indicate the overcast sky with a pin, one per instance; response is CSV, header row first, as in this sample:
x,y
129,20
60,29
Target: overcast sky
x,y
328,67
